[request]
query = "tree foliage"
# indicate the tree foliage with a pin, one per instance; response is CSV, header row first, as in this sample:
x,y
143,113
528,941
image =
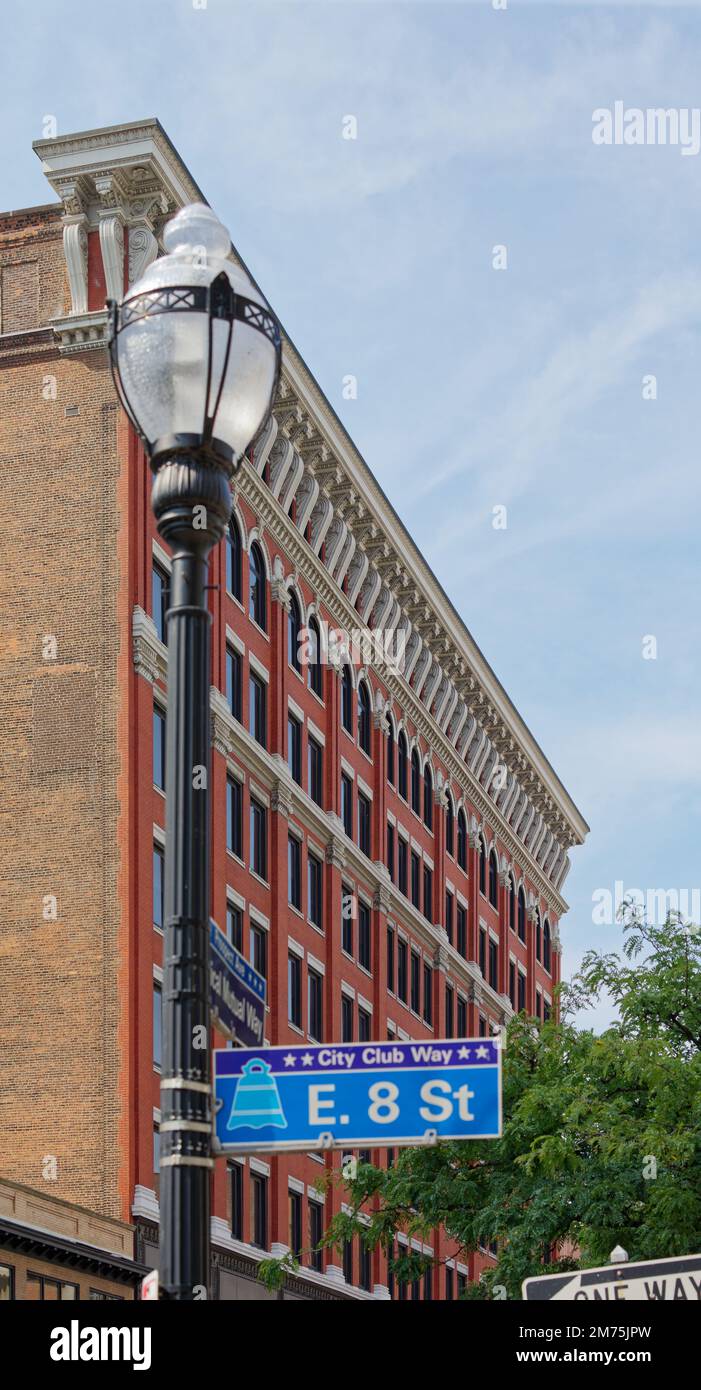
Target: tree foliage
x,y
602,1134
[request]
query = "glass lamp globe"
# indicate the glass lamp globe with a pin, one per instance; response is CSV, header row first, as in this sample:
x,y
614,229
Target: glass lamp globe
x,y
195,350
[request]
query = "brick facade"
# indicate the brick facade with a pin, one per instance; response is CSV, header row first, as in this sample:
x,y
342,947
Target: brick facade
x,y
82,818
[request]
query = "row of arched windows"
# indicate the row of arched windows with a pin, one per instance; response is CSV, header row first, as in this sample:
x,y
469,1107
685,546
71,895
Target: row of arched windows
x,y
403,771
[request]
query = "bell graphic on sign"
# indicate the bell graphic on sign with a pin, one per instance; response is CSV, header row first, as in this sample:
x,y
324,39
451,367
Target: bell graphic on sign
x,y
256,1100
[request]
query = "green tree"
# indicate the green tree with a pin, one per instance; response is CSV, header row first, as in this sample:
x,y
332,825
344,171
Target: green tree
x,y
601,1141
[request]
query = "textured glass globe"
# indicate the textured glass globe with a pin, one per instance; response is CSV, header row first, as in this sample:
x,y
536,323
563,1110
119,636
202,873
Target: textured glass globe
x,y
162,357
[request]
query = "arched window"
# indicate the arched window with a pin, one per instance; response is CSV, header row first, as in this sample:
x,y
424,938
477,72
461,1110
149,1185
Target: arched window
x,y
512,904
521,915
233,559
347,699
364,719
257,598
315,670
428,798
462,840
390,752
450,826
415,783
401,763
493,880
294,625
483,867
537,934
546,945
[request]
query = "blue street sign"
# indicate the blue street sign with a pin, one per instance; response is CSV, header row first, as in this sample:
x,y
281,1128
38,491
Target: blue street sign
x,y
356,1095
236,992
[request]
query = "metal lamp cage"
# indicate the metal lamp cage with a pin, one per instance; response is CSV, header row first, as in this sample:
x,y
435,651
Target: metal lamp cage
x,y
218,300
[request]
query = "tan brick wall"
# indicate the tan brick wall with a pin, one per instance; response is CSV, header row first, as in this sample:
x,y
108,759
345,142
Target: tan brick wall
x,y
59,1002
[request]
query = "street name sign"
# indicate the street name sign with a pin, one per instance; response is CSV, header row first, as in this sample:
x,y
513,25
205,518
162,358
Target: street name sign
x,y
236,992
356,1095
677,1279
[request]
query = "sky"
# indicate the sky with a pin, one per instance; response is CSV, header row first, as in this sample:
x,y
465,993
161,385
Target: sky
x,y
526,387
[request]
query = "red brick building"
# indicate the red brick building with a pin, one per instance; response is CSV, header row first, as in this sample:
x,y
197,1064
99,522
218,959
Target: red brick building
x,y
389,843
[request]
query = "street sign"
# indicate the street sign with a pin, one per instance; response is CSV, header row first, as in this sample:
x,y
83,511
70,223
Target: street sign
x,y
675,1279
236,992
352,1095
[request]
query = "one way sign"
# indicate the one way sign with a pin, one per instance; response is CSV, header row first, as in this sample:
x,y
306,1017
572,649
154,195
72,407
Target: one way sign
x,y
671,1280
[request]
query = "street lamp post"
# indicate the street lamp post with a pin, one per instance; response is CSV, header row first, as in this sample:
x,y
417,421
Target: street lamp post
x,y
195,355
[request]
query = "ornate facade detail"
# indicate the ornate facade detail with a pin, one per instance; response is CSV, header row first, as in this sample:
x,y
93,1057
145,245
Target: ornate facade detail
x,y
75,250
221,723
143,249
148,652
335,852
112,247
281,798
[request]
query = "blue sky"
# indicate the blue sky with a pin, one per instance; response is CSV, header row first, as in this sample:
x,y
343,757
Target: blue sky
x,y
476,387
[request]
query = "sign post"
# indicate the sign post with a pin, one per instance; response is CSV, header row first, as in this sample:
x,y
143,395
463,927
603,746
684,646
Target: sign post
x,y
236,992
356,1095
675,1279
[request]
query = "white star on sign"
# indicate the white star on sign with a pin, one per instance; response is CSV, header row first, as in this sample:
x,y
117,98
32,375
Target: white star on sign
x,y
464,1053
482,1052
290,1059
307,1059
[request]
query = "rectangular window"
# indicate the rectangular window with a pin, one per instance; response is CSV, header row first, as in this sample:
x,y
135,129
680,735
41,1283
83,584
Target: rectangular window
x,y
157,1024
449,1011
315,1005
364,935
364,1026
461,1030
428,994
294,872
428,893
234,816
365,1275
158,868
493,963
449,1284
390,850
160,581
315,881
233,681
546,1011
347,909
346,1018
316,1231
347,804
390,958
316,771
462,931
7,1283
401,970
415,879
294,989
521,1001
483,953
234,926
237,1171
401,865
259,840
259,950
462,1284
538,1004
482,1030
512,984
449,916
156,1151
41,1289
348,1261
159,748
295,1223
257,709
428,1284
294,749
415,982
259,1211
363,823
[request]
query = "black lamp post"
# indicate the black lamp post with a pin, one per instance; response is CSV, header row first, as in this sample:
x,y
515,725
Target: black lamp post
x,y
195,356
